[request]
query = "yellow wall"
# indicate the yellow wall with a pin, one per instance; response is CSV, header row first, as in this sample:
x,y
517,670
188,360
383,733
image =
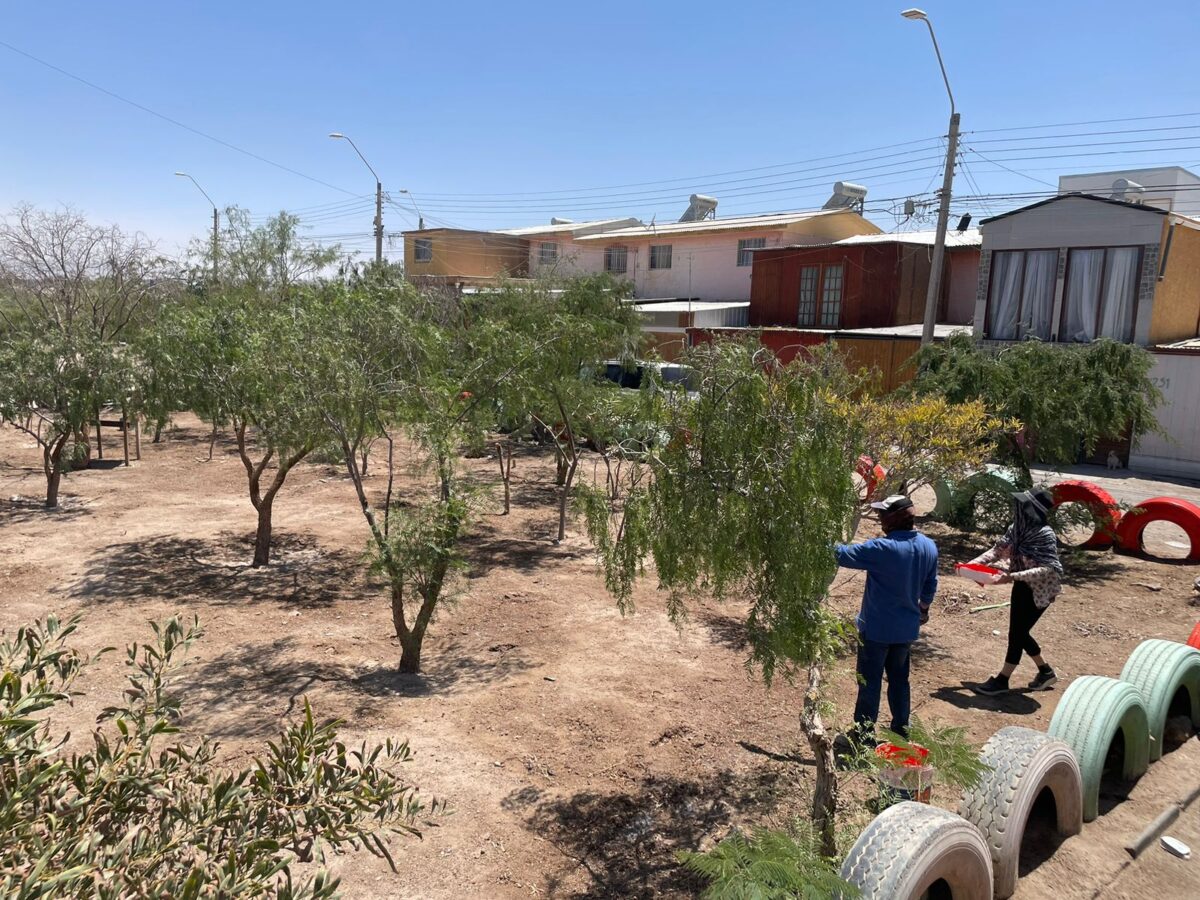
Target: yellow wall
x,y
1177,297
831,227
468,254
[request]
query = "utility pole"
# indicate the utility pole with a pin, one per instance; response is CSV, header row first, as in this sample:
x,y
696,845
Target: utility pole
x,y
378,222
216,238
939,242
378,197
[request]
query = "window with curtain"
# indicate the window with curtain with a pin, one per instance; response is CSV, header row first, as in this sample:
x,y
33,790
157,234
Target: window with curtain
x,y
831,296
616,259
1101,296
1021,302
809,276
422,250
744,255
660,256
548,253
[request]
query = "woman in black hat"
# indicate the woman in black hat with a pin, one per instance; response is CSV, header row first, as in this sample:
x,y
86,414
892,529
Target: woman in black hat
x,y
1034,570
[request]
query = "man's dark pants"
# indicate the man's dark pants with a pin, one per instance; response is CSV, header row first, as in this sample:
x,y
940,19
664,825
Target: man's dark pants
x,y
874,659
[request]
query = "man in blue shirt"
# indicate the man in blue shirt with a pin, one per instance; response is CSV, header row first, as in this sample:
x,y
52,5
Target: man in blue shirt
x,y
902,579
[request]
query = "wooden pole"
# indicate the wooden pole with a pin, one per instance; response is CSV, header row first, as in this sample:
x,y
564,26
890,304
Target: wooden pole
x,y
137,437
125,436
99,442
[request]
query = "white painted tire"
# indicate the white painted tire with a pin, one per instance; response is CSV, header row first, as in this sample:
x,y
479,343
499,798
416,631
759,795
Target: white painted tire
x,y
1023,763
911,846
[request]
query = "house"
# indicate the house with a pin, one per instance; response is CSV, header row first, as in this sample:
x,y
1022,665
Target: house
x,y
700,257
1172,188
458,256
1076,267
863,281
710,259
554,248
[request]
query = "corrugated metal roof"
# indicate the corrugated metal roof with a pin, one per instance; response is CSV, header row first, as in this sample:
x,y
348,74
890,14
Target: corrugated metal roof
x,y
732,223
682,306
1187,344
969,238
561,227
939,331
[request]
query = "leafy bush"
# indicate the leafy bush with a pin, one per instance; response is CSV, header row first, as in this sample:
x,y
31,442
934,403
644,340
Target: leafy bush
x,y
142,813
769,864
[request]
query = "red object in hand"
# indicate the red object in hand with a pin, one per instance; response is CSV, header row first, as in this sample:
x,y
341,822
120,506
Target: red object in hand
x,y
912,756
977,573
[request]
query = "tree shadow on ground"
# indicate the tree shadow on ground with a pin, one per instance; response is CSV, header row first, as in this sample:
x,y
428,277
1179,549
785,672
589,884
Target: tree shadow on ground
x,y
534,494
219,571
925,650
448,669
627,841
487,549
255,690
724,630
29,511
1016,702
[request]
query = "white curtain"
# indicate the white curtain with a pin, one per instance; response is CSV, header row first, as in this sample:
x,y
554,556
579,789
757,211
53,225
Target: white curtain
x,y
1120,294
1084,268
1006,295
1037,302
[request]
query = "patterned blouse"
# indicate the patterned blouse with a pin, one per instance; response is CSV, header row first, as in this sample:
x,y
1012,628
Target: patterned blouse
x,y
1044,581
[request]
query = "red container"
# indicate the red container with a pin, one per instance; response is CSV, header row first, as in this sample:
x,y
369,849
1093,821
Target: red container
x,y
905,775
977,573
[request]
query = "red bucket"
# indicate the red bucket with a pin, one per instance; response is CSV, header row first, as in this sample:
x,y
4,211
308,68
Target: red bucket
x,y
904,774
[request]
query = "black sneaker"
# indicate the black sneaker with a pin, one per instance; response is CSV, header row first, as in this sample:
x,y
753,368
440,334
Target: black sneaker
x,y
993,687
1044,680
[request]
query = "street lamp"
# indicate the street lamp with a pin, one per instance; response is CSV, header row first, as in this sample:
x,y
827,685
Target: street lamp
x,y
216,238
378,196
939,241
420,218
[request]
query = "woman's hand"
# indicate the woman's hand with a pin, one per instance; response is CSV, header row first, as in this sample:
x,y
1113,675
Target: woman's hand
x,y
1001,578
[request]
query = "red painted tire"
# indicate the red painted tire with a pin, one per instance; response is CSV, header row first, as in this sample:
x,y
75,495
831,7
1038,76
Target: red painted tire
x,y
1194,640
1102,505
1160,509
871,473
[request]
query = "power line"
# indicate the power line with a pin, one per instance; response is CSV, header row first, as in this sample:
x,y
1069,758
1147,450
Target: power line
x,y
172,121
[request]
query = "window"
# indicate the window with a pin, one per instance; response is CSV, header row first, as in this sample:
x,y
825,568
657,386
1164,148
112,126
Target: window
x,y
1101,294
809,276
821,295
616,260
422,250
1021,294
831,296
547,253
745,257
660,256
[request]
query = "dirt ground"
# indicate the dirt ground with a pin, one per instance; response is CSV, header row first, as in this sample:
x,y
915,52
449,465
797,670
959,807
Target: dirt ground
x,y
579,750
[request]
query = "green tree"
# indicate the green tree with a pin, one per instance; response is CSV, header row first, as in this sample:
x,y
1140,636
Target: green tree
x,y
51,385
142,812
745,501
247,366
1060,398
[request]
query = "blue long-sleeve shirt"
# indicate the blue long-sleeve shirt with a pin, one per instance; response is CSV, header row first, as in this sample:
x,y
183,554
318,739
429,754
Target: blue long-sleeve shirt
x,y
901,574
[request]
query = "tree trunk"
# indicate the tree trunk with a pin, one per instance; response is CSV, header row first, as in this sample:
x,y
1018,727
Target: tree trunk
x,y
52,461
262,537
825,788
212,441
158,430
410,656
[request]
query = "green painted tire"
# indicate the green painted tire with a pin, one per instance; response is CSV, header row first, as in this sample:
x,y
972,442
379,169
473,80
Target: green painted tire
x,y
1090,714
943,507
1158,669
910,846
1022,763
995,479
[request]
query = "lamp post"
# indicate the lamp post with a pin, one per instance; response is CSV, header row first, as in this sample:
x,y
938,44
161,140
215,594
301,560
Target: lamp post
x,y
216,238
420,218
378,196
939,242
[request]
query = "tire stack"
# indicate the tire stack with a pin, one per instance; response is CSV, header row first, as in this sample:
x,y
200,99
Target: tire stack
x,y
911,846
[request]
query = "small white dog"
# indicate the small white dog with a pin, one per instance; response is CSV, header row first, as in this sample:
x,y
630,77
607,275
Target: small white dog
x,y
1114,461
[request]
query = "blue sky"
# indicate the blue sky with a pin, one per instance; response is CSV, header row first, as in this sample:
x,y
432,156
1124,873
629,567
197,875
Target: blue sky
x,y
477,108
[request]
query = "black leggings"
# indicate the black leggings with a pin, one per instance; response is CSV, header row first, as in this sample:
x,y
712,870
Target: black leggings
x,y
1023,614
